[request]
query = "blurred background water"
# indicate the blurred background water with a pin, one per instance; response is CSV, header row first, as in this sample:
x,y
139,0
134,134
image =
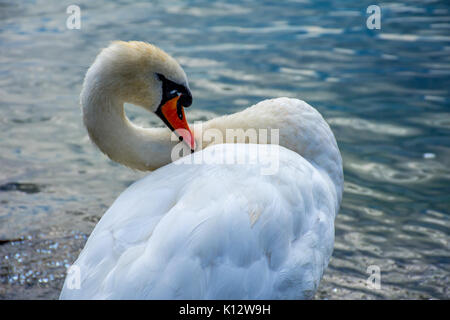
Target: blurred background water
x,y
384,92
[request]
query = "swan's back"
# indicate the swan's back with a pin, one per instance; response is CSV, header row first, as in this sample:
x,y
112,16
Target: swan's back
x,y
214,231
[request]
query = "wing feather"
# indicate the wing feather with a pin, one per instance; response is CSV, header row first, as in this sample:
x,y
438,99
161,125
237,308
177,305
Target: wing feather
x,y
213,231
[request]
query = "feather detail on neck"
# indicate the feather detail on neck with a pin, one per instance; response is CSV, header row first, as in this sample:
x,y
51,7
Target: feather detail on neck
x,y
120,139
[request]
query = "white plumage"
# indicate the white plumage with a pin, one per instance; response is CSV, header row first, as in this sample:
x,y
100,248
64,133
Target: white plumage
x,y
213,232
224,231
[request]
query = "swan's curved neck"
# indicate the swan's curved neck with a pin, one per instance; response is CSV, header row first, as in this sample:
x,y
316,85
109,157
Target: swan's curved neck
x,y
121,140
301,129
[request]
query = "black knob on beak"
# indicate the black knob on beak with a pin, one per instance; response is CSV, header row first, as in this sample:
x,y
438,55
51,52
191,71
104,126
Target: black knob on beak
x,y
186,98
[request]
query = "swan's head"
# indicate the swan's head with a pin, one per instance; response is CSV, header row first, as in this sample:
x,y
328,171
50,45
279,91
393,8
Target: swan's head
x,y
144,75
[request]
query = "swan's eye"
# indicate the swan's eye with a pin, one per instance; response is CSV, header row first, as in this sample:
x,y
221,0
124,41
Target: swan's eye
x,y
185,98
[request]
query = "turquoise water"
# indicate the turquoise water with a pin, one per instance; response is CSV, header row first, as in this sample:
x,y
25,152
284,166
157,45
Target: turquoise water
x,y
384,92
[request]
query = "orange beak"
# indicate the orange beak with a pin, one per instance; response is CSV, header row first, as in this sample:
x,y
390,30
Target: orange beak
x,y
173,116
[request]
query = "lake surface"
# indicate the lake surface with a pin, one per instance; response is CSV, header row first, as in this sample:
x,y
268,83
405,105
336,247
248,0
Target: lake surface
x,y
384,92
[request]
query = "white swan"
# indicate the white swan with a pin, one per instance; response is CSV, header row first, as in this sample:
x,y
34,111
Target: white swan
x,y
204,231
